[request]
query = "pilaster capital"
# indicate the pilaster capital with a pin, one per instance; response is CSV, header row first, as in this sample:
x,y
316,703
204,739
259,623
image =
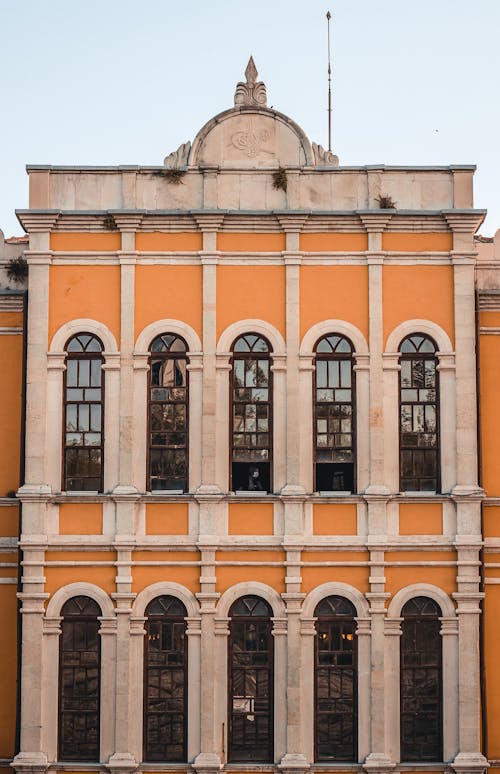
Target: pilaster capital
x,y
127,258
390,361
195,361
108,625
463,493
293,221
361,361
38,257
363,627
136,625
221,627
209,221
111,361
56,361
306,361
141,361
468,602
193,626
280,627
374,221
33,602
377,600
34,493
308,627
293,601
446,361
449,626
292,258
52,626
278,362
126,221
392,627
207,600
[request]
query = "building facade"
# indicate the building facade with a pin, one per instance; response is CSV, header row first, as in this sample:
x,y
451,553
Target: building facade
x,y
256,528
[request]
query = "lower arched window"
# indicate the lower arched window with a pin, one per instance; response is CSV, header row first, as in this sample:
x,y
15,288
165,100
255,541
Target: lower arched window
x,y
336,688
79,681
421,681
165,681
250,681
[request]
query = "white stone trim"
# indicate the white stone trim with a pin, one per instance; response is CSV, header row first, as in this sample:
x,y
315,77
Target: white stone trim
x,y
335,588
428,327
261,327
165,588
83,325
325,327
421,590
154,329
65,593
250,587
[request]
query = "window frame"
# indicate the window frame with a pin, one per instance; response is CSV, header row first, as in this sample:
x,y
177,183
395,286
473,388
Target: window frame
x,y
167,355
268,355
409,356
84,355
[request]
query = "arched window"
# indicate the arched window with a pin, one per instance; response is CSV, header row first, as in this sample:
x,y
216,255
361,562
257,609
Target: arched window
x,y
419,415
334,421
83,415
168,415
336,681
250,681
165,681
79,681
421,681
252,426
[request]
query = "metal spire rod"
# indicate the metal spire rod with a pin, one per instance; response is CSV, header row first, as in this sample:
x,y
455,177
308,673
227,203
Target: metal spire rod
x,y
328,17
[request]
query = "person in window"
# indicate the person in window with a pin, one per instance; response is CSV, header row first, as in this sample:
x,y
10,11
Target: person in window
x,y
254,483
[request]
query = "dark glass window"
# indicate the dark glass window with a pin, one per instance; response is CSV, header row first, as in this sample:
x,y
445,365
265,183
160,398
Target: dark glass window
x,y
336,681
421,681
83,415
334,415
252,431
419,415
79,681
168,414
250,681
165,681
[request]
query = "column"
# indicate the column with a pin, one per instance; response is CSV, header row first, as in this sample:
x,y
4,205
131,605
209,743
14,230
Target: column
x,y
391,369
137,635
50,693
193,633
307,636
449,635
362,371
392,702
363,633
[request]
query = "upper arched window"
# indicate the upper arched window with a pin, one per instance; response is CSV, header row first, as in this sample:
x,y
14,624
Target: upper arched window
x,y
250,681
79,681
421,681
334,415
419,415
168,415
336,686
165,681
83,415
251,426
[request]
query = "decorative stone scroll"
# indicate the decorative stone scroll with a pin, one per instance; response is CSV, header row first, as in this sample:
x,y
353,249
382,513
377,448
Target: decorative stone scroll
x,y
178,158
252,92
324,158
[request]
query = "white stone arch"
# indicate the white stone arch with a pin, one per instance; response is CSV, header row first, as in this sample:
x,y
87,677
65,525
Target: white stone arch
x,y
154,329
83,325
338,589
421,590
428,327
166,588
250,587
261,327
450,665
326,327
62,595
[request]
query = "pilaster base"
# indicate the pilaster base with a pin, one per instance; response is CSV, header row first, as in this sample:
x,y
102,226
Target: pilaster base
x,y
30,763
378,763
294,763
122,763
470,763
207,763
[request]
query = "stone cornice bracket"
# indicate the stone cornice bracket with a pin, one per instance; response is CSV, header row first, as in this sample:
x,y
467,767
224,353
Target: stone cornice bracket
x,y
40,221
292,222
253,92
465,222
209,221
127,221
373,221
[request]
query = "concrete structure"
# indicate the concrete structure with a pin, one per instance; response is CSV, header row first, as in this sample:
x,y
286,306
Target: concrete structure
x,y
251,229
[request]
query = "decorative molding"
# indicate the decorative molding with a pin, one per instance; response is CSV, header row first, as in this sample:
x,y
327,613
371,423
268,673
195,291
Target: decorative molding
x,y
324,158
178,158
253,92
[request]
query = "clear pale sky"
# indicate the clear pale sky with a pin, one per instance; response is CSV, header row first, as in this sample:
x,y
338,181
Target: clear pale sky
x,y
126,81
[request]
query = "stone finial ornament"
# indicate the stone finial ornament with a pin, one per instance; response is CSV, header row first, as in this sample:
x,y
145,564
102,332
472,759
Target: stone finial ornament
x,y
178,158
252,92
324,158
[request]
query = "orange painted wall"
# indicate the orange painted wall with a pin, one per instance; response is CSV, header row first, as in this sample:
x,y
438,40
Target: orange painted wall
x,y
332,242
491,521
418,292
398,577
489,376
80,519
355,576
185,575
173,292
74,242
228,576
250,519
415,242
167,519
8,672
421,519
9,520
250,292
103,576
11,319
11,351
84,291
491,622
156,241
334,292
489,318
251,243
331,519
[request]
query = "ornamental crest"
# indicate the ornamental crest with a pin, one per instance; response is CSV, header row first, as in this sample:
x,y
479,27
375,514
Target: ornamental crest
x,y
252,92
